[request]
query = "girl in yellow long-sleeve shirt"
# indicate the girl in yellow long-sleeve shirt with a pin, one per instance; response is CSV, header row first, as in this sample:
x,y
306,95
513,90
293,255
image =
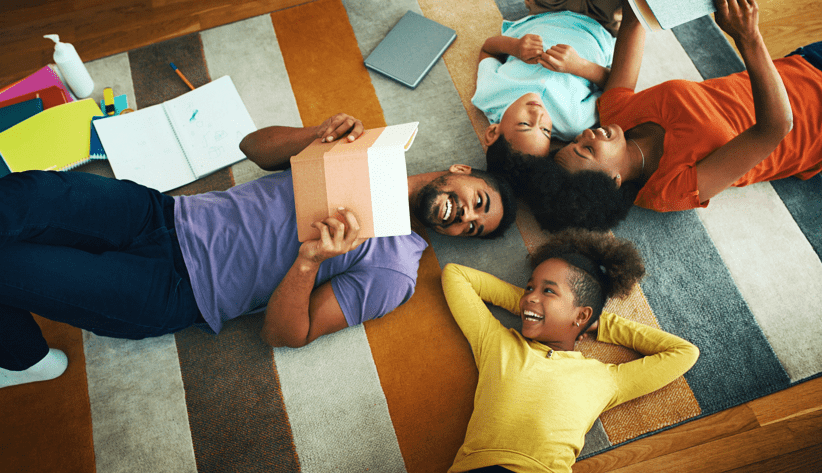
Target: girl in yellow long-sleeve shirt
x,y
537,397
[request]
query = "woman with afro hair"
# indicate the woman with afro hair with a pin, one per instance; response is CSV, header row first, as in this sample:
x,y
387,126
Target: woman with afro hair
x,y
536,397
676,145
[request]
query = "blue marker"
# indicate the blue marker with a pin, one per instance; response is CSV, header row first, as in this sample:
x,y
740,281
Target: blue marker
x,y
193,115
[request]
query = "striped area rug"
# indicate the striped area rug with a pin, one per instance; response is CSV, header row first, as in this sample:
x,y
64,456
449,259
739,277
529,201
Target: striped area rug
x,y
740,279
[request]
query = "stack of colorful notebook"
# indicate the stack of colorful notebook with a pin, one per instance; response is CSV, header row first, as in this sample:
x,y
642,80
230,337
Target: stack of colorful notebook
x,y
43,127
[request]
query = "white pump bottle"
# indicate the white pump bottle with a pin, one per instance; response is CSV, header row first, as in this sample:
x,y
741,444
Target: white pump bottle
x,y
72,68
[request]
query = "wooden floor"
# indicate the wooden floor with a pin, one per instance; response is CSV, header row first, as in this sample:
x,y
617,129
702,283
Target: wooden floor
x,y
777,433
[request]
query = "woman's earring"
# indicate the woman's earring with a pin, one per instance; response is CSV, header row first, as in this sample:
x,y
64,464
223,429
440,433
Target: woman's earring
x,y
576,323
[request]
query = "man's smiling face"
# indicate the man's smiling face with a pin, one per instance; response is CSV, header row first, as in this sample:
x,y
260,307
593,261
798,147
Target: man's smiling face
x,y
459,204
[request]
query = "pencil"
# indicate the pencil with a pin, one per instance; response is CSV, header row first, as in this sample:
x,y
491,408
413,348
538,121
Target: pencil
x,y
181,76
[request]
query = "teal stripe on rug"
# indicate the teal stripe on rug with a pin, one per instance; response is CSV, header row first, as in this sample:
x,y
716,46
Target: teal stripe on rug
x,y
692,295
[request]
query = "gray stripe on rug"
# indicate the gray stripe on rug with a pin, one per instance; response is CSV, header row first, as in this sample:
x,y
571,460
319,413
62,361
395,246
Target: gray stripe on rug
x,y
138,406
249,53
235,404
445,134
765,250
804,201
693,295
336,405
708,48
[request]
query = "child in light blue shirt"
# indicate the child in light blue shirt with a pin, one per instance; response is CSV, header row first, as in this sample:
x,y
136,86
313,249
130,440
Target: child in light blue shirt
x,y
541,79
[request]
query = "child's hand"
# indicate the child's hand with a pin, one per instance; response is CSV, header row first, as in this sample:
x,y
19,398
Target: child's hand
x,y
592,332
529,48
562,58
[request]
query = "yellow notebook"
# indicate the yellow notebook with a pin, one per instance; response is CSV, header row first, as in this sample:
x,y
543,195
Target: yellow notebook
x,y
56,138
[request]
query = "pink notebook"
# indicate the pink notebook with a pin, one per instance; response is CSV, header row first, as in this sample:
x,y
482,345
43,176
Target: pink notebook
x,y
41,79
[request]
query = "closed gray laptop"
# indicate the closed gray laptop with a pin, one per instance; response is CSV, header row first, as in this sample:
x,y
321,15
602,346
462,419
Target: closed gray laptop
x,y
410,49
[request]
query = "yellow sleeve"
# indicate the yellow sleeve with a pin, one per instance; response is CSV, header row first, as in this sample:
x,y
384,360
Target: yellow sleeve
x,y
465,290
667,356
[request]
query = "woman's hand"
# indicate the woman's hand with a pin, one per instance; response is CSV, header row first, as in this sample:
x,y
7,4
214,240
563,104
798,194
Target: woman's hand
x,y
338,235
738,18
529,48
338,126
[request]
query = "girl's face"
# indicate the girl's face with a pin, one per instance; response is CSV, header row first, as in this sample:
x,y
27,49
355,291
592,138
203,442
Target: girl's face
x,y
548,310
526,125
600,149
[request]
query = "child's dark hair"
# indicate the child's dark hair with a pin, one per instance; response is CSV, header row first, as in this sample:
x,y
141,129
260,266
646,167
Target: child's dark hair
x,y
602,265
559,199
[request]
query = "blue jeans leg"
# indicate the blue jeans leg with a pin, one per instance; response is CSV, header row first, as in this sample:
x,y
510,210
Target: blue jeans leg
x,y
96,253
812,53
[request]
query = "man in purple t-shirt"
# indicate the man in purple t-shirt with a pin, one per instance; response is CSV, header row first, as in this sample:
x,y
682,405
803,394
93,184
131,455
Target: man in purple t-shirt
x,y
122,260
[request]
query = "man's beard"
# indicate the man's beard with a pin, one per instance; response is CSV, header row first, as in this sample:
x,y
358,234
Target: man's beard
x,y
427,211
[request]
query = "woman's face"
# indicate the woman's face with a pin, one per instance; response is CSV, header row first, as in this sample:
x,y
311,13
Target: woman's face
x,y
548,309
599,149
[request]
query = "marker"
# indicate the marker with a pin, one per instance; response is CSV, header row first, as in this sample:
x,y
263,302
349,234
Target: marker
x,y
181,75
193,115
108,100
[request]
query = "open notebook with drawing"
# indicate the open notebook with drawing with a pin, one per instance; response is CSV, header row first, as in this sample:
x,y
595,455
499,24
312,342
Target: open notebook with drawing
x,y
179,141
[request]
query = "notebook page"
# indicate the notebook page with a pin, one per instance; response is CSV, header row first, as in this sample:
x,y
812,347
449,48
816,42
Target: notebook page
x,y
141,147
210,122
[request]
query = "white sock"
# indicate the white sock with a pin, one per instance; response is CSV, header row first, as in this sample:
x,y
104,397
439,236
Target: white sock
x,y
50,367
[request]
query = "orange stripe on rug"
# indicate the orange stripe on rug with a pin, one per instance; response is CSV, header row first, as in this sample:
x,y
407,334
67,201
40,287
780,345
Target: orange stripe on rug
x,y
427,373
667,406
46,426
328,46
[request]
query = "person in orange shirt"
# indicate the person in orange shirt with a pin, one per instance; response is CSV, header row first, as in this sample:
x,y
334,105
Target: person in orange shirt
x,y
674,146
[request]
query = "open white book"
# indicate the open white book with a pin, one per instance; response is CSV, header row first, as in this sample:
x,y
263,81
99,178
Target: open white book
x,y
179,141
657,15
367,176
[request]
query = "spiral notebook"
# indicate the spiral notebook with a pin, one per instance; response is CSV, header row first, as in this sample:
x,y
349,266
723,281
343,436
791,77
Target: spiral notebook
x,y
56,138
410,49
178,141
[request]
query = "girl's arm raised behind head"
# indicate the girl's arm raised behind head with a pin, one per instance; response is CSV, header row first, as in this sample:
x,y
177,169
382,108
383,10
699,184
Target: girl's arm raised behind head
x,y
667,356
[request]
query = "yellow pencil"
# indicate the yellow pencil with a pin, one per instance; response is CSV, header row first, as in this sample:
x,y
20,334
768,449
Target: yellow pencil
x,y
181,76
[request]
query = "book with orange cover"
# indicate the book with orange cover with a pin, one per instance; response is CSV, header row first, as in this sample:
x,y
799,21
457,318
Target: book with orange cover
x,y
367,176
51,96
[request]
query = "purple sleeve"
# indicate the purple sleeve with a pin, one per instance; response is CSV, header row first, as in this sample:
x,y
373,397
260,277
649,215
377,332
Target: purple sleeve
x,y
366,295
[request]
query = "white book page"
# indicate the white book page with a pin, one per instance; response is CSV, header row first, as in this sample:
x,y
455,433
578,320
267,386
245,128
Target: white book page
x,y
389,190
210,122
142,147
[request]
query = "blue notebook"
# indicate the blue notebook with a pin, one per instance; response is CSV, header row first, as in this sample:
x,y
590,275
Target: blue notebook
x,y
410,49
11,115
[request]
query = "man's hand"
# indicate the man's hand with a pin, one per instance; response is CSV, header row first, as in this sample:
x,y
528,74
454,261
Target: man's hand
x,y
529,48
338,235
338,126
